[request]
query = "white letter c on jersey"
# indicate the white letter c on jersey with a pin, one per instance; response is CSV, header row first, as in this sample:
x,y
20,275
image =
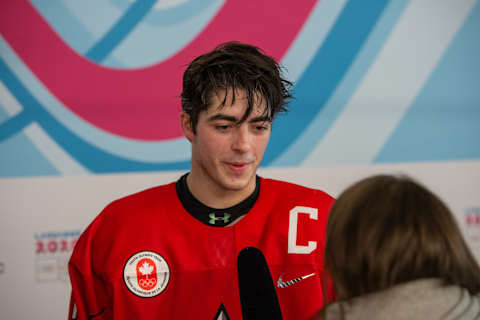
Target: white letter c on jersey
x,y
292,230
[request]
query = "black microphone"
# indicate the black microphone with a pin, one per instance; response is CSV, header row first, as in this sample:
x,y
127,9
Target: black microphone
x,y
257,290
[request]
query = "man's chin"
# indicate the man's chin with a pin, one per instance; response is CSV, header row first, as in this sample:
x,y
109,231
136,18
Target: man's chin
x,y
238,184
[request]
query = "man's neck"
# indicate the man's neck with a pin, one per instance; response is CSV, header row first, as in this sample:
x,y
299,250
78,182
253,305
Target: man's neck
x,y
214,196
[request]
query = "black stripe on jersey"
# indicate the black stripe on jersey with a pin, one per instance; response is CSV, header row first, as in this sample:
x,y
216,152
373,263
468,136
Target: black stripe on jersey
x,y
97,314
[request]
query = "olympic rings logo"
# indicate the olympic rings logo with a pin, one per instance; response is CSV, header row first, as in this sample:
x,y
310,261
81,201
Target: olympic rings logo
x,y
148,283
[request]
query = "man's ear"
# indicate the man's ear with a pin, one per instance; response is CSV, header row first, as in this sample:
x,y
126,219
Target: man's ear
x,y
186,125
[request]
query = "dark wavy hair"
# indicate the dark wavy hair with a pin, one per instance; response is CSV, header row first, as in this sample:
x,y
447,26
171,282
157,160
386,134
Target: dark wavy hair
x,y
234,66
385,230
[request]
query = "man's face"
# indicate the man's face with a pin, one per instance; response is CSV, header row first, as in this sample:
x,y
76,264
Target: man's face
x,y
225,153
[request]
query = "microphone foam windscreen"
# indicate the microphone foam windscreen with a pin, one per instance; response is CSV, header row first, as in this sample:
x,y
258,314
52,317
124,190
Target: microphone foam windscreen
x,y
257,290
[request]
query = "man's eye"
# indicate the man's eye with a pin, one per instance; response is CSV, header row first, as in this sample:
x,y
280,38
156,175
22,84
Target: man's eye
x,y
222,127
261,128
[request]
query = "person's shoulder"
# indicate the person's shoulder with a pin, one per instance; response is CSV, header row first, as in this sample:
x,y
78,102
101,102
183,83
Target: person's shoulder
x,y
142,199
149,193
286,187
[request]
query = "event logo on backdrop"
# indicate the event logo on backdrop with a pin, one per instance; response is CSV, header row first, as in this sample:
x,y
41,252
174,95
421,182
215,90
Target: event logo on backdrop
x,y
52,251
472,222
84,93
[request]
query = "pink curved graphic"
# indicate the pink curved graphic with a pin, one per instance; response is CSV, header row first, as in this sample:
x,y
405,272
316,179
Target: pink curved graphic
x,y
141,103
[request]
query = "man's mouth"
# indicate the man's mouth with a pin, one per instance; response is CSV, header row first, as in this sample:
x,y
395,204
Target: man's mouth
x,y
238,167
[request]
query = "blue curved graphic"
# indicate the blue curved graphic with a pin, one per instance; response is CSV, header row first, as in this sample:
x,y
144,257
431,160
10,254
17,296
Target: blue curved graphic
x,y
444,120
15,124
318,127
347,36
91,157
66,24
20,157
120,30
83,30
324,73
172,15
142,151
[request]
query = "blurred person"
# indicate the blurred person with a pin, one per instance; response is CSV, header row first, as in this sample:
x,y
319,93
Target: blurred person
x,y
394,251
170,252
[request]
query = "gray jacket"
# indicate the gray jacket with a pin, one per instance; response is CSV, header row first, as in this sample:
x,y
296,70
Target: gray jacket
x,y
420,299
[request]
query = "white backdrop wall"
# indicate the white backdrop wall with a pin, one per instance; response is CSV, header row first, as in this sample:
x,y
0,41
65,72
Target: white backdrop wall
x,y
42,217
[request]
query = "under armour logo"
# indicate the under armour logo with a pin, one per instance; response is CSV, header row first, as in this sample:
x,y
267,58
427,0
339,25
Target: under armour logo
x,y
214,218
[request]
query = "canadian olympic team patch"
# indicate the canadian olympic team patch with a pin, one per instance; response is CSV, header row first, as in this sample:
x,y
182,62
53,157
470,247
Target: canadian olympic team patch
x,y
146,274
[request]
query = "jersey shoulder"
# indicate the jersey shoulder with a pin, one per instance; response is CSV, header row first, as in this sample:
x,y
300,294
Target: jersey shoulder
x,y
135,205
146,196
282,188
120,215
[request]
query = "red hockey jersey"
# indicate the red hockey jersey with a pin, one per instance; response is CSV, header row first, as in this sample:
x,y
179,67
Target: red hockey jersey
x,y
145,257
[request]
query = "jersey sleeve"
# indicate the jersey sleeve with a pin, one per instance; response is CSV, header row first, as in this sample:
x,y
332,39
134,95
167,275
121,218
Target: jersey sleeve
x,y
88,297
330,294
326,205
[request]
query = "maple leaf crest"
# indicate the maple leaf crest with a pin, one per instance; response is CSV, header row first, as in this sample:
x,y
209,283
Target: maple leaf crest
x,y
146,268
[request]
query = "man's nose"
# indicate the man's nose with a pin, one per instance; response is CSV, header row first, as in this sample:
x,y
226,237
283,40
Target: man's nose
x,y
241,140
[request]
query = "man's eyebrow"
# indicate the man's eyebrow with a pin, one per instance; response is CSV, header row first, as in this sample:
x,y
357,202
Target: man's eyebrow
x,y
220,116
261,119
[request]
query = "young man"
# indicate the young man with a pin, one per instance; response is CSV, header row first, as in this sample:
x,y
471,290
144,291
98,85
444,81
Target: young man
x,y
182,262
